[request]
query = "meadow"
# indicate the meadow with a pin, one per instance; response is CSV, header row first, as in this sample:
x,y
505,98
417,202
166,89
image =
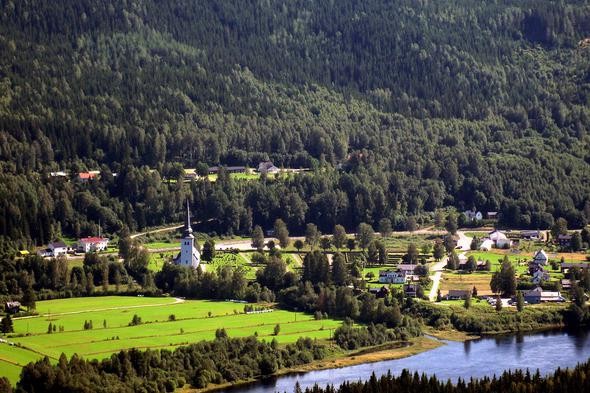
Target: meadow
x,y
165,323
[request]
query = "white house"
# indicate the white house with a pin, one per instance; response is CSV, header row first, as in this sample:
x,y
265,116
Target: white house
x,y
89,244
500,240
58,248
486,245
472,215
540,258
392,277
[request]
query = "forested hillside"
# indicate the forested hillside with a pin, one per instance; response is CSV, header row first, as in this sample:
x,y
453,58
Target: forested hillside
x,y
400,107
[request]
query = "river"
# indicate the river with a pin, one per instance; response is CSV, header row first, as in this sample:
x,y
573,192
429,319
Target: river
x,y
483,357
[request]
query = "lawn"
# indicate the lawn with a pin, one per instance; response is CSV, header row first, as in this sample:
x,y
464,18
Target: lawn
x,y
519,261
162,245
193,321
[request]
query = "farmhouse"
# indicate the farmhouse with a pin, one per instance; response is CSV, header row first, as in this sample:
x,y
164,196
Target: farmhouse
x,y
188,255
500,240
94,244
538,295
267,167
86,176
472,215
566,266
531,235
540,258
486,245
229,169
380,293
392,276
406,268
12,307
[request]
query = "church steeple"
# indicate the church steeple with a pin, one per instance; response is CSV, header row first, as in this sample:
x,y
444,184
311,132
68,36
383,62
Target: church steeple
x,y
188,255
188,230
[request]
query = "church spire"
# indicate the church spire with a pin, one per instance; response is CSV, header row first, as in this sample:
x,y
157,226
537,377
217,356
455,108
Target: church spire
x,y
188,230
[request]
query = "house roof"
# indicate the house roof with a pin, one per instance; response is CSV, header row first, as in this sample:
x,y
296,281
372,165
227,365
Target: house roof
x,y
458,292
93,239
497,235
58,244
87,175
540,255
406,267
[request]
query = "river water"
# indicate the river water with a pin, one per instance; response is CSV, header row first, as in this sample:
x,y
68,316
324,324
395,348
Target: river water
x,y
483,357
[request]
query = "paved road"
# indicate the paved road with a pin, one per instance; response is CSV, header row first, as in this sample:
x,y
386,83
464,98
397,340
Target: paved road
x,y
464,241
166,229
437,269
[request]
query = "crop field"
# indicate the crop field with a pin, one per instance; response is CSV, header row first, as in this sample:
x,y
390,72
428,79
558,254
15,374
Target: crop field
x,y
466,281
400,243
192,321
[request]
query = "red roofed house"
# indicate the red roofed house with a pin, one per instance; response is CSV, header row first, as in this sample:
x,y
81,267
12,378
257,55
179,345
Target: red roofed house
x,y
88,244
86,176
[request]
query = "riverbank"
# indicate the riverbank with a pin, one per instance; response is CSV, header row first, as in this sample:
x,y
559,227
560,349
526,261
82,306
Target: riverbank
x,y
340,359
450,335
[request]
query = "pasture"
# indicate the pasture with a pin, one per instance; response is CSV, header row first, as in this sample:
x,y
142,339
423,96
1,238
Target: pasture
x,y
165,323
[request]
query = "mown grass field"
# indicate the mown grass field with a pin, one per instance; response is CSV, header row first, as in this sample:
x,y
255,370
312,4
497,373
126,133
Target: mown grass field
x,y
194,321
466,281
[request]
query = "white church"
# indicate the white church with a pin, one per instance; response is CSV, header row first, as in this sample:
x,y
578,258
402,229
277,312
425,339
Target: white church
x,y
189,255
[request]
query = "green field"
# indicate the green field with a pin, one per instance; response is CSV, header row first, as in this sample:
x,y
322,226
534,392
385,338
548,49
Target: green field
x,y
195,320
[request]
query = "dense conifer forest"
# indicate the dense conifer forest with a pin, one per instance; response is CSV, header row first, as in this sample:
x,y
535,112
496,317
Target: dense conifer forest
x,y
398,107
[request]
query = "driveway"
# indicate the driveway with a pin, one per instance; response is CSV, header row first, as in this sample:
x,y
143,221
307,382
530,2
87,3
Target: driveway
x,y
464,241
437,269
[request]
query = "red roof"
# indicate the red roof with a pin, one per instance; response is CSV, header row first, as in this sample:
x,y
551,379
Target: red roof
x,y
93,239
86,175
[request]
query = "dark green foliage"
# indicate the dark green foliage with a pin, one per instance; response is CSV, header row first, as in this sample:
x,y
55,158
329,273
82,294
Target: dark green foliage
x,y
6,326
504,281
468,114
208,251
221,360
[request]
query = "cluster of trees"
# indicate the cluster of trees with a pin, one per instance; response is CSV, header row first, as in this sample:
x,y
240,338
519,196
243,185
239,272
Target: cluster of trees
x,y
349,337
513,381
221,360
36,278
468,113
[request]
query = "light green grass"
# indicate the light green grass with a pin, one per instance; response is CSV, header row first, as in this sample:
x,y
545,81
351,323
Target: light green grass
x,y
12,359
157,259
161,244
520,262
95,303
195,320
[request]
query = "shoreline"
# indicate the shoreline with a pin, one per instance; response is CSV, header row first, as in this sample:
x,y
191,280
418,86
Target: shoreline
x,y
342,359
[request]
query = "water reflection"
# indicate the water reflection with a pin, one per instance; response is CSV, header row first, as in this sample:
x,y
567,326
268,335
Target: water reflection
x,y
485,357
467,348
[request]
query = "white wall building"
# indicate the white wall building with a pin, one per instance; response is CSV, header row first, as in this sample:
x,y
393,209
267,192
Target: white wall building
x,y
188,255
92,244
